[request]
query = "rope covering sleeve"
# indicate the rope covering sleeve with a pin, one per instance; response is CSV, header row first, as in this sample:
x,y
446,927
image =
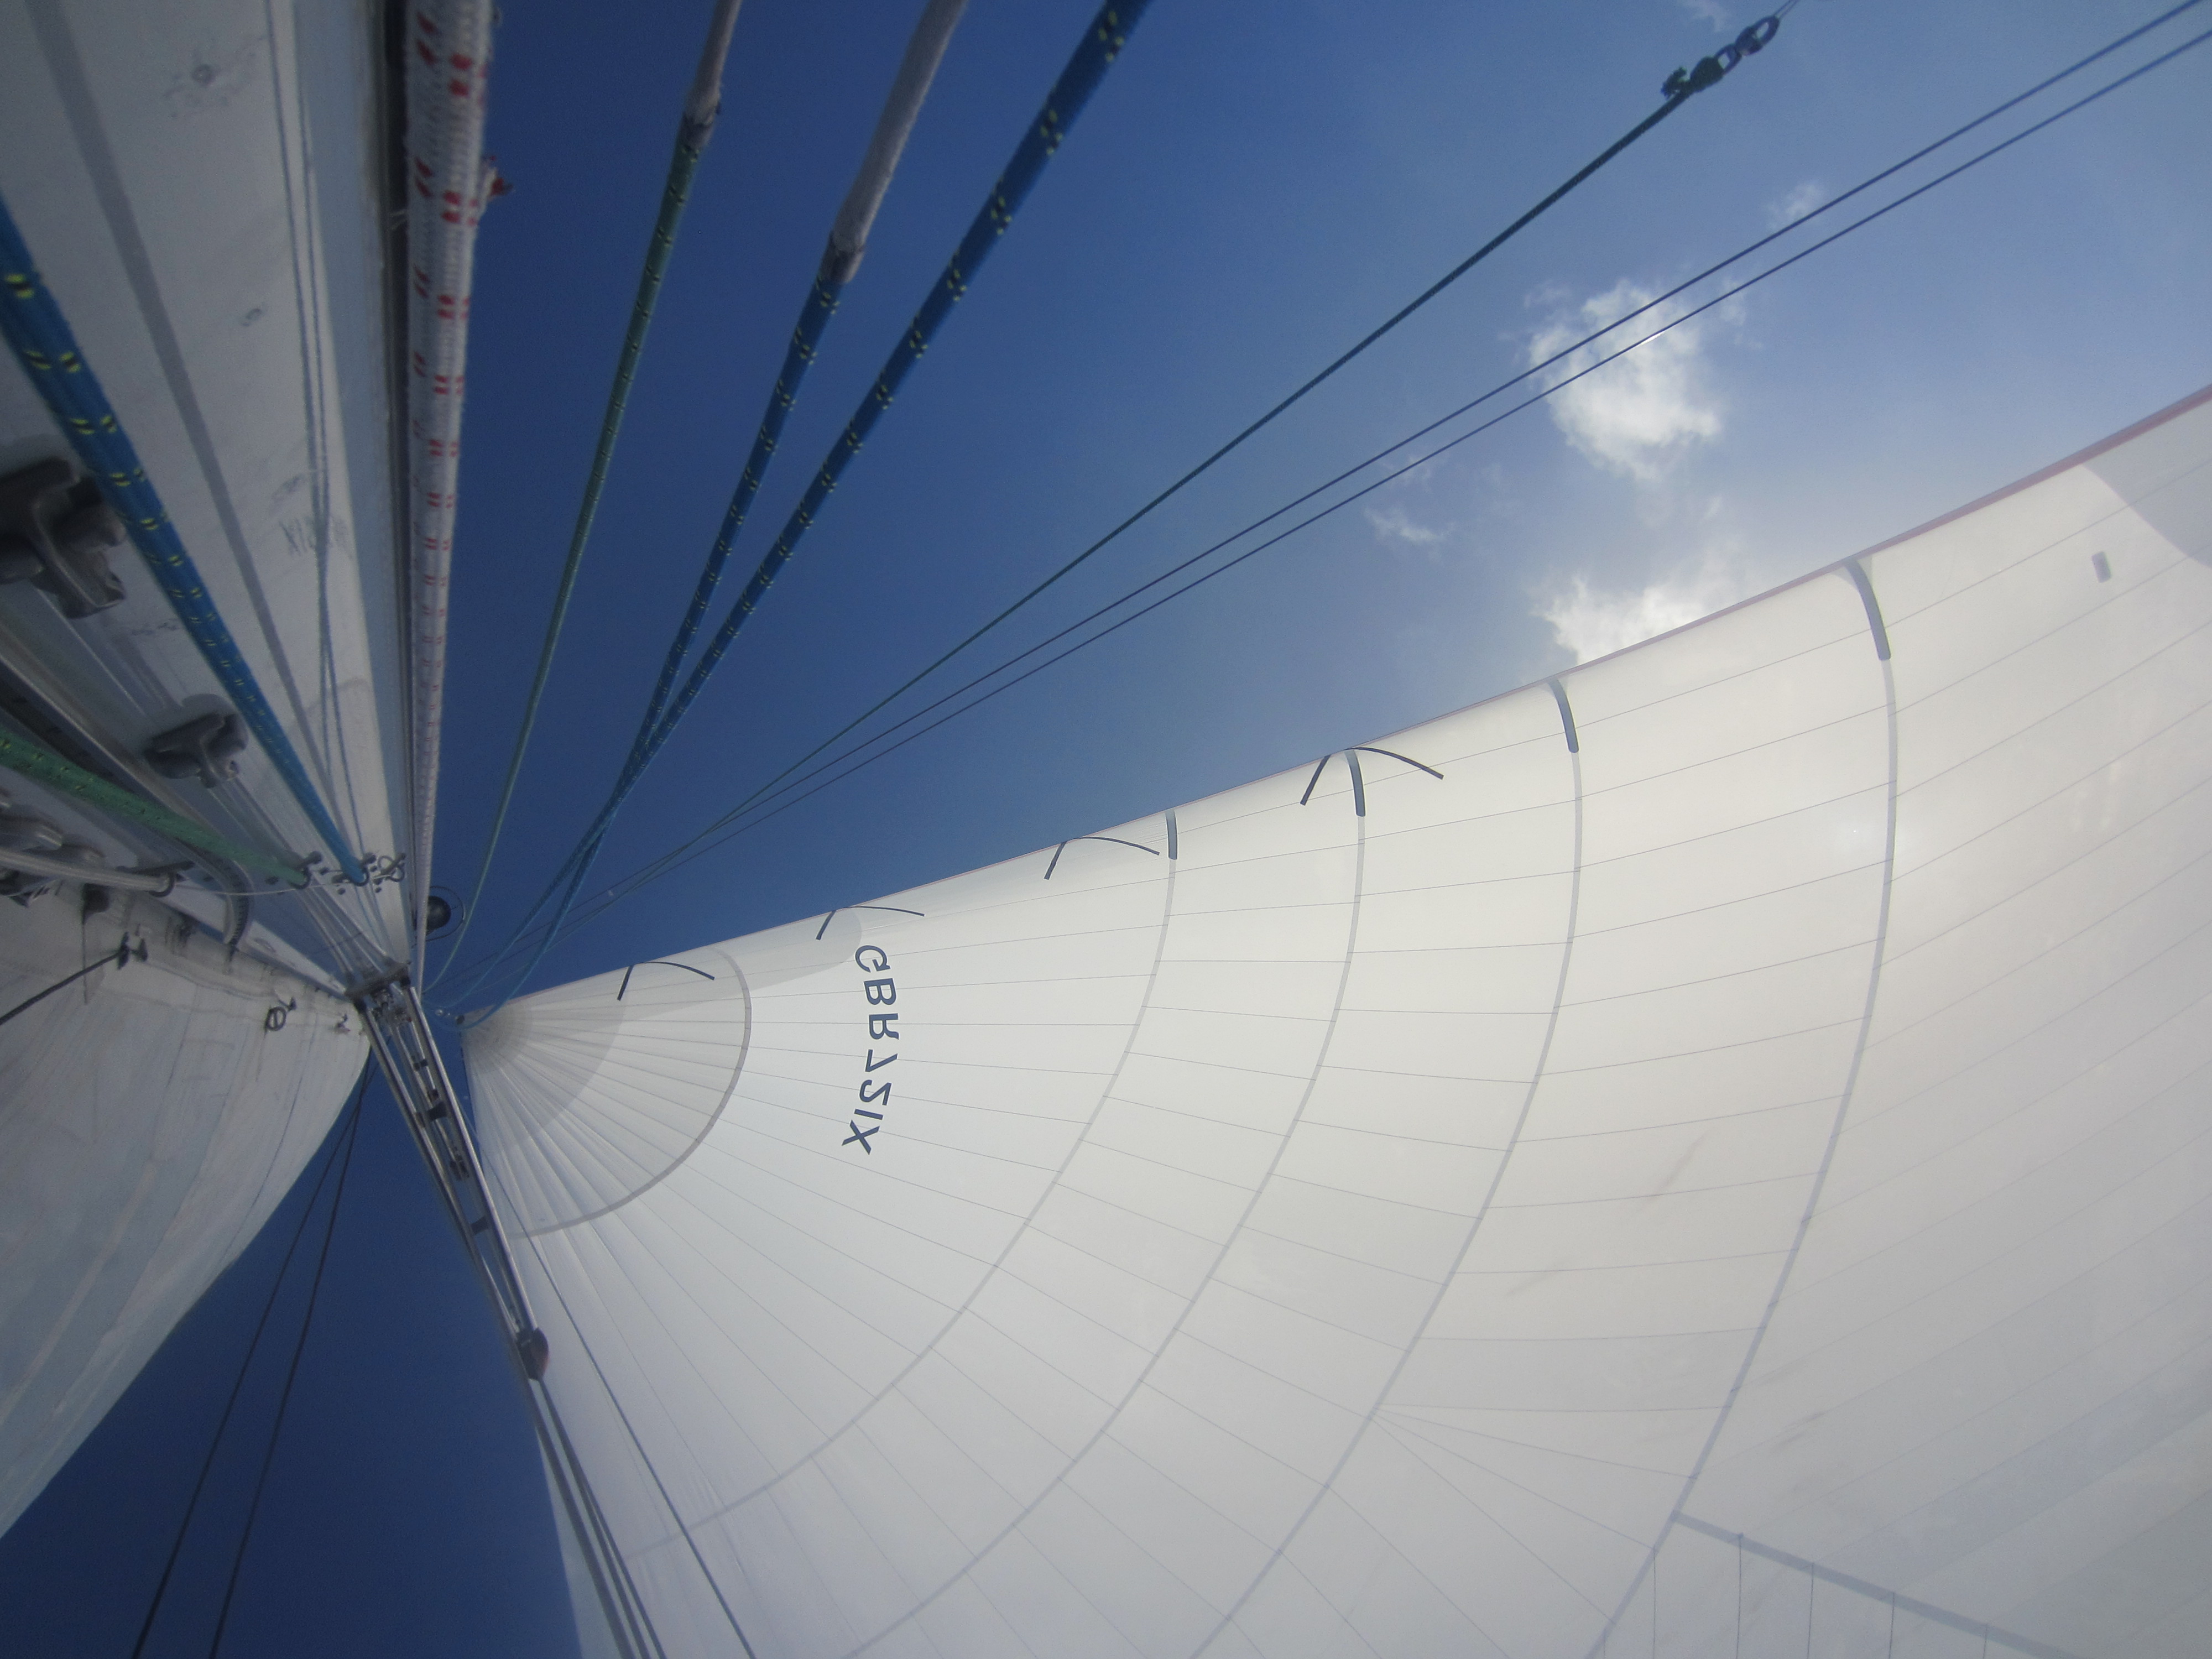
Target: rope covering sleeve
x,y
44,344
701,109
848,234
840,258
1102,44
704,103
720,829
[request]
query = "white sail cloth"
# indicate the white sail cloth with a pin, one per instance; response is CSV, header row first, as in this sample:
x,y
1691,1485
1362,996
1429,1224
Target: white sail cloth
x,y
1725,1163
200,187
152,1114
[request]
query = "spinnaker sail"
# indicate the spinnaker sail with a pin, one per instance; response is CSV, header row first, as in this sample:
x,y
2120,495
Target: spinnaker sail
x,y
1714,1137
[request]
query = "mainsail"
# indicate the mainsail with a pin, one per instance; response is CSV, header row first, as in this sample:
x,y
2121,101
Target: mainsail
x,y
1708,1145
197,198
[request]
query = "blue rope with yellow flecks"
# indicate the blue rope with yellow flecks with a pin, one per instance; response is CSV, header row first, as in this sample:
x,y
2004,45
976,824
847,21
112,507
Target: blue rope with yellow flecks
x,y
1102,44
821,298
44,343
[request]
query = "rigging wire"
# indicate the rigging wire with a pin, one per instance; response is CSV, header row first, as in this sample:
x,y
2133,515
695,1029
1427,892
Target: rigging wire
x,y
1100,46
119,957
841,260
700,107
253,1347
39,336
1680,86
840,263
768,790
291,1376
720,829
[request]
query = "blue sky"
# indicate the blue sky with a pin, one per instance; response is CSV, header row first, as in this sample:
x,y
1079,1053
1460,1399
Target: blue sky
x,y
1253,189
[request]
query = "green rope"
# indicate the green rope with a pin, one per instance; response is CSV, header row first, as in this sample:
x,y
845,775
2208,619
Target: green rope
x,y
674,196
33,761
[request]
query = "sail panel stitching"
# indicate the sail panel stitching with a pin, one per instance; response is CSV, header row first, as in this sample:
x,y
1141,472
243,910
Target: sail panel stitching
x,y
1259,1188
1919,1609
1081,1139
1819,1176
1474,1226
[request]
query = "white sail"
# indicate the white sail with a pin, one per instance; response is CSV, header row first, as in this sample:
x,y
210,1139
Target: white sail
x,y
152,1114
201,191
1728,1149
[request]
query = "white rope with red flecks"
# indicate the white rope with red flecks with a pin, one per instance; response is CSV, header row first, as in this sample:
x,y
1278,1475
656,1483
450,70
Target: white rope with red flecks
x,y
448,179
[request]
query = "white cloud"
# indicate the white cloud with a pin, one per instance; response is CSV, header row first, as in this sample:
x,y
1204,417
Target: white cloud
x,y
1707,11
1638,415
1392,523
1594,623
1801,201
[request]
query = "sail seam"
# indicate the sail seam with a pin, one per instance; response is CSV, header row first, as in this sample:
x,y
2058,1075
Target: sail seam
x,y
1082,1139
1819,1176
737,1074
545,1410
660,1486
1474,1228
1259,1187
1928,1610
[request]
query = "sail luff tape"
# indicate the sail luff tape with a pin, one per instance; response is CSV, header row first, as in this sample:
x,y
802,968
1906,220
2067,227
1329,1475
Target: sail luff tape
x,y
925,51
33,761
47,348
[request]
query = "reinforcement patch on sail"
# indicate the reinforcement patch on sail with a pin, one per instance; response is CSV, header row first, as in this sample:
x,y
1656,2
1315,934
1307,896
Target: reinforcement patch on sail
x,y
655,1050
1737,1178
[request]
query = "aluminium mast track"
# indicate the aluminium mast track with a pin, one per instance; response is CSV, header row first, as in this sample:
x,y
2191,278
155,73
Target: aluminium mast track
x,y
417,1071
412,1066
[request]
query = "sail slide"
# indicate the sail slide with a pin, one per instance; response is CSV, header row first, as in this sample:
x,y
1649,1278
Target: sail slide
x,y
200,193
1695,1156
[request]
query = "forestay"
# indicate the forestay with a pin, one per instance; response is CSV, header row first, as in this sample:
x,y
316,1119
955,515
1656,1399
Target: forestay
x,y
1721,1167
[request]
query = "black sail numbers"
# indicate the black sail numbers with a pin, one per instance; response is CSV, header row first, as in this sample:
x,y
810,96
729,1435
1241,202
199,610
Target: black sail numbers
x,y
882,1028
